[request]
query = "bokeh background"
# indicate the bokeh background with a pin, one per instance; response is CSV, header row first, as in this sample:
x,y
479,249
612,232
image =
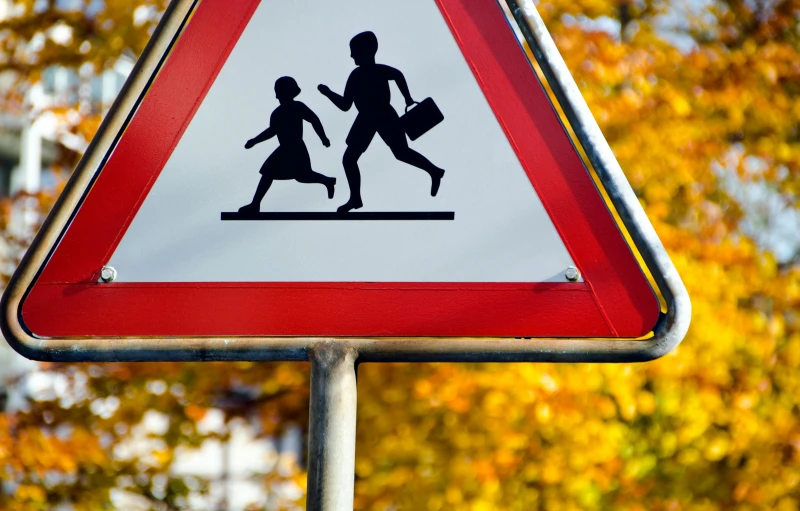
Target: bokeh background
x,y
700,100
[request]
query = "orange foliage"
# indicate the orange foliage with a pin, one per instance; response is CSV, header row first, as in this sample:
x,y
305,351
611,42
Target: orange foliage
x,y
697,101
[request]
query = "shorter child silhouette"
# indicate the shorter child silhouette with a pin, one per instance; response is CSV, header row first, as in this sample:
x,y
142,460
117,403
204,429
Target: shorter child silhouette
x,y
290,160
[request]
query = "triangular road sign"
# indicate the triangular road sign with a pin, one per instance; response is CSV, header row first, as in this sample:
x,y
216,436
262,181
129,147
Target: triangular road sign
x,y
351,169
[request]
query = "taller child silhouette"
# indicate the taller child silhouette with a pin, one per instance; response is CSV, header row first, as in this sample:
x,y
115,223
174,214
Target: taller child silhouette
x,y
368,88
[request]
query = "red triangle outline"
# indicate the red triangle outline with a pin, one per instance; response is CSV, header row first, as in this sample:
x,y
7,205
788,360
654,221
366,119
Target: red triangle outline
x,y
614,301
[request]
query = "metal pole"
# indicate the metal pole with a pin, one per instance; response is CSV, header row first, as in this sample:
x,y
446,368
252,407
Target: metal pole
x,y
332,427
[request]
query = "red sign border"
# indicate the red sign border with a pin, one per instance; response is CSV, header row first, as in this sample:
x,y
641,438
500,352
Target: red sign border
x,y
614,301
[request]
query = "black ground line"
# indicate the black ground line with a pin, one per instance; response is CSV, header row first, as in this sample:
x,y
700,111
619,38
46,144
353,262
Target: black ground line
x,y
352,215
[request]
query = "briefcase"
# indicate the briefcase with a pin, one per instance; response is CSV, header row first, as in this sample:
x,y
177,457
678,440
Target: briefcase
x,y
421,118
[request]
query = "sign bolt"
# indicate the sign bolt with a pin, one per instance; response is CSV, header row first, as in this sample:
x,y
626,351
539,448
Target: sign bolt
x,y
108,274
572,274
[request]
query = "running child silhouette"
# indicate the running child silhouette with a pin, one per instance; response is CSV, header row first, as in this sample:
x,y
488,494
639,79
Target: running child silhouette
x,y
368,88
290,160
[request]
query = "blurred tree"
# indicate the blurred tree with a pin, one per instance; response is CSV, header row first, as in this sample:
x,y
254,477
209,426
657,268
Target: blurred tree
x,y
700,101
96,432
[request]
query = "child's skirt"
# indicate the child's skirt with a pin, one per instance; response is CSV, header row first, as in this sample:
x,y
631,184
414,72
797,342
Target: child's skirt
x,y
287,162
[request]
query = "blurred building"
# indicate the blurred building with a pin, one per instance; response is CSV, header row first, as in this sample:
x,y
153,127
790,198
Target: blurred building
x,y
32,139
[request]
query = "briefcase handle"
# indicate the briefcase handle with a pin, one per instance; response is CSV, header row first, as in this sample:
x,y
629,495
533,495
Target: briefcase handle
x,y
412,104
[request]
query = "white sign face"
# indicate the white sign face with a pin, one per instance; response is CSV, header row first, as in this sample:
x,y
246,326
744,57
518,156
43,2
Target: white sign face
x,y
485,224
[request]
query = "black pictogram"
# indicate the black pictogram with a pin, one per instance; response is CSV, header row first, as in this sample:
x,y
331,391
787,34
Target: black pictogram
x,y
367,88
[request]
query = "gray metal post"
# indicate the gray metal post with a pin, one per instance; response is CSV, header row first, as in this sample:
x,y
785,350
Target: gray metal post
x,y
332,427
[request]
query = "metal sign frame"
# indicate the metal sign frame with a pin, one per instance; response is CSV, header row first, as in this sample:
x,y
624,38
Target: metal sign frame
x,y
667,333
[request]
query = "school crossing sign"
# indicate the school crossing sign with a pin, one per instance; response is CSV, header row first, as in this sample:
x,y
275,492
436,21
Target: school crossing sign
x,y
390,174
